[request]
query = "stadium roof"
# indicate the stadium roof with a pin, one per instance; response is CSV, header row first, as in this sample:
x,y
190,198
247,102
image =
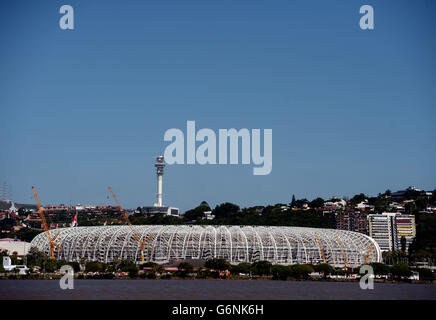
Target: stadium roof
x,y
279,245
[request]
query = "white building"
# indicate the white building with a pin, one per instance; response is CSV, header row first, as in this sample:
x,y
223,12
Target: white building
x,y
337,203
208,215
388,228
364,205
21,247
8,266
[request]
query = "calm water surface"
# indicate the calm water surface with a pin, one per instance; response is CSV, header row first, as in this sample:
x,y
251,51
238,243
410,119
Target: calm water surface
x,y
211,289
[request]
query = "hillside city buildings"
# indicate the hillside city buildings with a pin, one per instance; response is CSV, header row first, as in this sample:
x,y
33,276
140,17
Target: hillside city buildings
x,y
392,228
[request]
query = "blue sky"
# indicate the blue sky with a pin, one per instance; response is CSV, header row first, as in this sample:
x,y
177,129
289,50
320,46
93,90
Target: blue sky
x,y
351,110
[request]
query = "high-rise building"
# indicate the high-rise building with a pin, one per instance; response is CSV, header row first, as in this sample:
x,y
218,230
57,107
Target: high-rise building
x,y
389,228
404,226
352,221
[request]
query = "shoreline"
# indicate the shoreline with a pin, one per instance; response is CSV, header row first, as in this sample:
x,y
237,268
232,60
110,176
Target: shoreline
x,y
260,279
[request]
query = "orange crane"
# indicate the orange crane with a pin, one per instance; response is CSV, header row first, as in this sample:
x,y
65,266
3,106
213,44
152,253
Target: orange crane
x,y
320,247
343,252
142,243
44,223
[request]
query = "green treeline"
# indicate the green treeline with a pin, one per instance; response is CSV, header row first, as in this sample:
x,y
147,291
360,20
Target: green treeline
x,y
231,214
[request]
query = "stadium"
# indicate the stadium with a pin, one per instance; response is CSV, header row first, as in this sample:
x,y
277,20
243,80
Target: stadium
x,y
278,245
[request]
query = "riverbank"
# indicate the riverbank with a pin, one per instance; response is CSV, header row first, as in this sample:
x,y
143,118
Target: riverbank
x,y
191,278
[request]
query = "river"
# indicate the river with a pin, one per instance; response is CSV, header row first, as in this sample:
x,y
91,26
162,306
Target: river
x,y
211,289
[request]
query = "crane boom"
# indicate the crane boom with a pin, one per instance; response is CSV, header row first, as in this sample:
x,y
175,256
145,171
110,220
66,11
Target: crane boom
x,y
320,247
40,212
142,243
342,249
369,251
45,226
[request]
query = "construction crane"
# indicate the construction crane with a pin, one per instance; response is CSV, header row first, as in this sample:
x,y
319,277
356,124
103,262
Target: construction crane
x,y
342,249
142,243
44,223
320,247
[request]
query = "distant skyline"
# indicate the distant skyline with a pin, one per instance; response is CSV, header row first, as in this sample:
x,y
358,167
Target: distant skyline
x,y
351,111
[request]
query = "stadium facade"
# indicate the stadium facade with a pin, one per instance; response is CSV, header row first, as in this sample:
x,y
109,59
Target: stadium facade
x,y
279,245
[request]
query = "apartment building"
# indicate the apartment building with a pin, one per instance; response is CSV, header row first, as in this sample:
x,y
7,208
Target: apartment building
x,y
388,229
352,221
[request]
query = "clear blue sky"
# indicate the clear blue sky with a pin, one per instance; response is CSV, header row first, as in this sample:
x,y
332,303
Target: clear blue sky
x,y
351,111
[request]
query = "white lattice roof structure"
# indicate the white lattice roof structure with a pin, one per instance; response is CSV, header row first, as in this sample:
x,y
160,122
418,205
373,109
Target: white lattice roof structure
x,y
279,245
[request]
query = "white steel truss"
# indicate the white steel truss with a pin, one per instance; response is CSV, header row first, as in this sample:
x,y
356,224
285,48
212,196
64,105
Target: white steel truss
x,y
279,245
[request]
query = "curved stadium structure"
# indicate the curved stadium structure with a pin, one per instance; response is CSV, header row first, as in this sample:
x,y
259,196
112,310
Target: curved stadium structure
x,y
279,245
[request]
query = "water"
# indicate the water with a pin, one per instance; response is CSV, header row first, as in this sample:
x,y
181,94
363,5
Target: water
x,y
211,289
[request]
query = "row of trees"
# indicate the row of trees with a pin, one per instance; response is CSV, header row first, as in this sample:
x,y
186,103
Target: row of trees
x,y
214,267
302,271
401,270
231,214
423,247
266,268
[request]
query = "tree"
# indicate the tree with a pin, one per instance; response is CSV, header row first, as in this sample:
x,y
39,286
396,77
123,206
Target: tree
x,y
95,266
185,267
403,243
300,203
410,207
217,264
401,270
324,268
225,210
126,266
421,203
280,272
27,235
75,265
425,274
301,271
433,198
50,265
196,213
133,272
243,267
380,268
358,198
261,268
293,201
423,247
317,203
21,212
82,262
14,257
34,257
159,269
